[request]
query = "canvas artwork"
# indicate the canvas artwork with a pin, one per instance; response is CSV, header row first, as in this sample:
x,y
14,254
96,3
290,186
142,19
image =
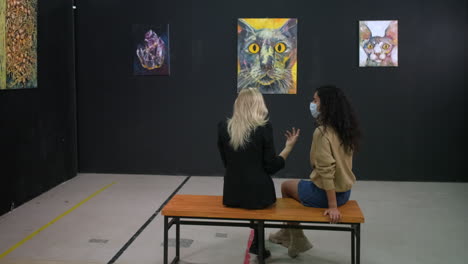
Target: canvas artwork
x,y
151,50
378,43
267,55
18,44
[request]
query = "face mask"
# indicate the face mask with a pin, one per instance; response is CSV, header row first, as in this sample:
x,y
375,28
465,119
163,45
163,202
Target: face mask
x,y
313,110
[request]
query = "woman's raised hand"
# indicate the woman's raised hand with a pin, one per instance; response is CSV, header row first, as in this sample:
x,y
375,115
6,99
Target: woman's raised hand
x,y
291,137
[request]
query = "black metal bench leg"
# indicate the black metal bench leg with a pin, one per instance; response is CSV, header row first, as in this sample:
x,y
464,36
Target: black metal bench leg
x,y
261,242
358,242
166,230
177,257
353,244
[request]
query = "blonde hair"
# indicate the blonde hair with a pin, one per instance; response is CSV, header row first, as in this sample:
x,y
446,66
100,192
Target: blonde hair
x,y
250,112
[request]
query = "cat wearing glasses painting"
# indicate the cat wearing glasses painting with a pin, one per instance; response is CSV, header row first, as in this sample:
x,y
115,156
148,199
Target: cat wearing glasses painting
x,y
378,50
266,57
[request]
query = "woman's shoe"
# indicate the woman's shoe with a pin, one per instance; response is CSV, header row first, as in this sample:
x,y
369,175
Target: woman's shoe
x,y
254,250
299,243
281,237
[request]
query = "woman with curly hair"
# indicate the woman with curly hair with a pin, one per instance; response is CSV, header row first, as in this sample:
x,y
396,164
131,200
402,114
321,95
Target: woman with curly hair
x,y
334,142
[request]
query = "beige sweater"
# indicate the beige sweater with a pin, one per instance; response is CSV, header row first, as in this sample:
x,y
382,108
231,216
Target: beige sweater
x,y
332,166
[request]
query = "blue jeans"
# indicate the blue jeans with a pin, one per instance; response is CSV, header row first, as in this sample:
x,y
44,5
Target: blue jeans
x,y
312,196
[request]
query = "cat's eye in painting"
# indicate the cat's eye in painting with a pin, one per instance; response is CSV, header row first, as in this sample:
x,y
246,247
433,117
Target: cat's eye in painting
x,y
385,46
370,46
280,47
254,48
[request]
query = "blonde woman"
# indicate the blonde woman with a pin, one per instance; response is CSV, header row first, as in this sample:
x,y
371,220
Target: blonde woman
x,y
246,146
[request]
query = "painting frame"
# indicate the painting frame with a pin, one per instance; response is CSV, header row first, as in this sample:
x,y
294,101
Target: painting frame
x,y
18,44
151,50
267,55
378,43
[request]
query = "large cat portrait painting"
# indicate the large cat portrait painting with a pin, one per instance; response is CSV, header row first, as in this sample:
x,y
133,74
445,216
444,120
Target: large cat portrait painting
x,y
151,50
267,55
378,43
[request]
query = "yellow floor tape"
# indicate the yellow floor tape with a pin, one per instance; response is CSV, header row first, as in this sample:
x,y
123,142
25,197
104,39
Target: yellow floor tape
x,y
51,222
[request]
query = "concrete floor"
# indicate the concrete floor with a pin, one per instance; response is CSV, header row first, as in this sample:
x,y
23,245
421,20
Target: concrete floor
x,y
406,222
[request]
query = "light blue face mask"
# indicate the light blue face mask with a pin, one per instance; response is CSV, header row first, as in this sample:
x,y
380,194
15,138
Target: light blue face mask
x,y
313,110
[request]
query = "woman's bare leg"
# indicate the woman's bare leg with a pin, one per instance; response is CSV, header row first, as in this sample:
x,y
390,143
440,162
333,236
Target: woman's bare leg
x,y
289,189
297,242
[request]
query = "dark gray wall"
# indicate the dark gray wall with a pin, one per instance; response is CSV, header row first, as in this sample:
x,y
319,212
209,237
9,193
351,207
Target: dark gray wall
x,y
38,126
412,116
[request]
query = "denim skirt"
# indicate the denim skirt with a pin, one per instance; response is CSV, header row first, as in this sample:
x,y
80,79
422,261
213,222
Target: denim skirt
x,y
312,196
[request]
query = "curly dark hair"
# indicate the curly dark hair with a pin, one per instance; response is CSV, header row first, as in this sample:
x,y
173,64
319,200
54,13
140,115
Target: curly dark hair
x,y
336,112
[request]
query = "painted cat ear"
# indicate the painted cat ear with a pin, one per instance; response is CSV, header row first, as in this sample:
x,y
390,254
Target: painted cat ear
x,y
392,32
290,27
243,27
364,32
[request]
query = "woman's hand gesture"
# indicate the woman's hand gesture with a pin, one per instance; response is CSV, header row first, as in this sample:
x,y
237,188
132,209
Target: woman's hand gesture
x,y
291,137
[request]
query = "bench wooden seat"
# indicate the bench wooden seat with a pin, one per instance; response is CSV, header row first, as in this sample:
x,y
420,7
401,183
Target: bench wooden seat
x,y
207,207
285,209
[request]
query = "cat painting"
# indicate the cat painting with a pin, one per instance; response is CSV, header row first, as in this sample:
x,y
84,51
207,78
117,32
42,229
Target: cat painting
x,y
378,43
267,55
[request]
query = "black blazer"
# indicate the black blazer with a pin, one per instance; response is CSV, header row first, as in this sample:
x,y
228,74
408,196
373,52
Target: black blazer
x,y
247,179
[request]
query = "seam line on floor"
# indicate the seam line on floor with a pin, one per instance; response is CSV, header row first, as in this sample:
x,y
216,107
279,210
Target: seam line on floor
x,y
140,230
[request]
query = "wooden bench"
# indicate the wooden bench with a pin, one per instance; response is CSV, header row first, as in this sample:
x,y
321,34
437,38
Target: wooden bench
x,y
200,208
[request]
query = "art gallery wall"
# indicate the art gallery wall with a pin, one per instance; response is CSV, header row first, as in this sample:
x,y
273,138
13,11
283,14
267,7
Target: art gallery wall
x,y
412,116
38,126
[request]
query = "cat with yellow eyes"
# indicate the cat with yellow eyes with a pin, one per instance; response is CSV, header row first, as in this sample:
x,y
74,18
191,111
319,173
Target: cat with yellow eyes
x,y
379,50
266,57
